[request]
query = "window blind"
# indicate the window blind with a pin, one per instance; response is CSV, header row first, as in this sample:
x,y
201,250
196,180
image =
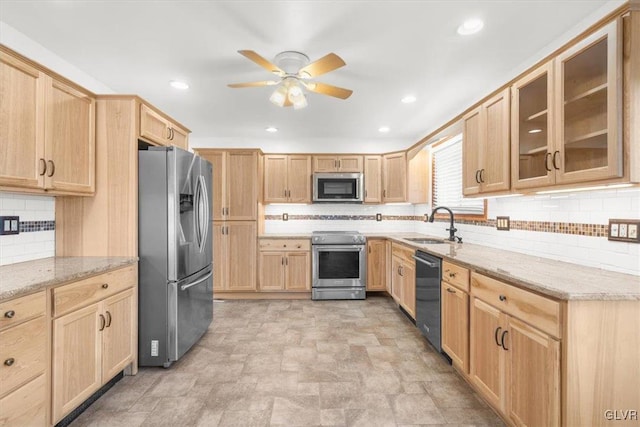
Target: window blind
x,y
447,179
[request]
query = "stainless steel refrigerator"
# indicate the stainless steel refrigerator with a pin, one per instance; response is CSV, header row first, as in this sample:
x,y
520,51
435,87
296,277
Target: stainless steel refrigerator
x,y
175,248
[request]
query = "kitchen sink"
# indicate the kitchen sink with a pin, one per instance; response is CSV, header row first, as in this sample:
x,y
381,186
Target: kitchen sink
x,y
425,241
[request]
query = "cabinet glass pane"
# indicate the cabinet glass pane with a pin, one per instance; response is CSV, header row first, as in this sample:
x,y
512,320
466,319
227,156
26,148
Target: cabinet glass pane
x,y
533,128
585,109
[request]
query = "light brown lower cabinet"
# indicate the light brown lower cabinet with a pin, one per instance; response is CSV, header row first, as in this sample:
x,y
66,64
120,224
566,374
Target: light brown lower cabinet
x,y
515,366
377,265
455,325
234,256
25,360
91,344
403,278
284,265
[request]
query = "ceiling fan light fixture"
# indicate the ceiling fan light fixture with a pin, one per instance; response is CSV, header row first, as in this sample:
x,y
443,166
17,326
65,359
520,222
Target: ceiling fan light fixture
x,y
300,102
279,96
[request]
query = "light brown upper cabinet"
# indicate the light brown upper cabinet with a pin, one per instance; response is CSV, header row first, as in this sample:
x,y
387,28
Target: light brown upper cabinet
x,y
349,163
48,133
485,150
157,128
287,178
372,179
235,184
588,108
394,176
532,129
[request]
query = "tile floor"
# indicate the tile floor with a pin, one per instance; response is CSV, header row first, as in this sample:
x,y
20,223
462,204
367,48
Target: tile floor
x,y
298,363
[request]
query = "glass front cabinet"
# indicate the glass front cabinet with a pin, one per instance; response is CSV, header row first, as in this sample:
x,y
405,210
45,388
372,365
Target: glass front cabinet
x,y
566,115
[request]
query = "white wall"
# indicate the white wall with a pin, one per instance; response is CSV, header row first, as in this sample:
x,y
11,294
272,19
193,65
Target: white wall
x,y
588,207
28,245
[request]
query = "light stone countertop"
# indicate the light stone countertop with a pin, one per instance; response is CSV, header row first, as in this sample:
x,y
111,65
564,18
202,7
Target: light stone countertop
x,y
32,276
561,280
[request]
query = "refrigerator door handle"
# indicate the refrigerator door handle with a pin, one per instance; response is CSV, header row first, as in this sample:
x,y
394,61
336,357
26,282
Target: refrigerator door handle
x,y
197,282
202,213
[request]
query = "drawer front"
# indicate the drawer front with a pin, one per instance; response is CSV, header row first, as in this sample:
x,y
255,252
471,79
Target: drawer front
x,y
20,309
455,275
25,406
284,244
403,252
536,310
22,353
88,291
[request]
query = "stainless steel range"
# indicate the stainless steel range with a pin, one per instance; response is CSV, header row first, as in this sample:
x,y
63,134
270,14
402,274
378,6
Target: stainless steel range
x,y
339,265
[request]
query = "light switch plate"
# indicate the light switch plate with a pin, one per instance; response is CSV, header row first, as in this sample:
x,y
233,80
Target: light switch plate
x,y
503,223
624,230
9,225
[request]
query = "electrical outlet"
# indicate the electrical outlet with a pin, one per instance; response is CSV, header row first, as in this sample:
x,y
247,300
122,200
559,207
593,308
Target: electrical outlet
x,y
285,217
378,217
9,225
426,217
624,230
503,223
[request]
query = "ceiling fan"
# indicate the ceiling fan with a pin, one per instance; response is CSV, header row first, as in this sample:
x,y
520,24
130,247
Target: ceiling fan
x,y
295,72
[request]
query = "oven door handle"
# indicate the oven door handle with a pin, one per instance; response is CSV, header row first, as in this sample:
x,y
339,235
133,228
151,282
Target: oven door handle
x,y
430,264
338,248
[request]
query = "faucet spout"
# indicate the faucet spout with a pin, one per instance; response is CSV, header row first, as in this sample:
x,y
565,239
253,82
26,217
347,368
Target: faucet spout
x,y
452,230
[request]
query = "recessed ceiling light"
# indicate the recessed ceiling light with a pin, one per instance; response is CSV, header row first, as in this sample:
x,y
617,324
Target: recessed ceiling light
x,y
408,99
177,84
470,26
271,129
384,129
535,131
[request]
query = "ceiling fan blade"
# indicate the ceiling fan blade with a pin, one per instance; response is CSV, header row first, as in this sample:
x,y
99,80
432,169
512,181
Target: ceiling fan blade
x,y
267,65
330,90
323,65
254,84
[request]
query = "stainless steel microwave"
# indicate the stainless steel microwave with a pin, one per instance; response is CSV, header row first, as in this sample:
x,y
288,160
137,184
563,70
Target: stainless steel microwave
x,y
338,188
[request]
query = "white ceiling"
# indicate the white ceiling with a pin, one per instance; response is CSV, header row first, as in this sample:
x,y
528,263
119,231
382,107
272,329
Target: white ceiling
x,y
391,48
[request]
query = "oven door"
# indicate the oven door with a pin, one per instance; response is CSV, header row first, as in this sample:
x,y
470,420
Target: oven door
x,y
339,266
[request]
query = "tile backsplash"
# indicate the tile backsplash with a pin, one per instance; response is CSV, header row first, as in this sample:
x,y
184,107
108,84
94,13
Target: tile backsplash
x,y
566,226
37,228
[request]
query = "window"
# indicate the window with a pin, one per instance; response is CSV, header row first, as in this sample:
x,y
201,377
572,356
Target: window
x,y
447,179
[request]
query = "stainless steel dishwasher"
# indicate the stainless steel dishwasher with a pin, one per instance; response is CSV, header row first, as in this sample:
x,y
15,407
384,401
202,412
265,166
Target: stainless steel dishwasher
x,y
428,270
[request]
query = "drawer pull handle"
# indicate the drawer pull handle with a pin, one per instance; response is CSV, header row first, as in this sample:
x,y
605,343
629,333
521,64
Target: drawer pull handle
x,y
496,335
105,285
10,314
451,291
504,334
103,322
502,298
452,274
10,361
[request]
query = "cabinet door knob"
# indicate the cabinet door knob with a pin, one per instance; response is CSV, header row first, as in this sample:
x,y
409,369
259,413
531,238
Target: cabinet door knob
x,y
502,298
43,167
546,162
10,361
504,334
555,159
105,285
53,168
495,335
10,314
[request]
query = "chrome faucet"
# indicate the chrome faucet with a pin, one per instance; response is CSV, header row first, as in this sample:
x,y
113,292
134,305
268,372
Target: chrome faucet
x,y
452,230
